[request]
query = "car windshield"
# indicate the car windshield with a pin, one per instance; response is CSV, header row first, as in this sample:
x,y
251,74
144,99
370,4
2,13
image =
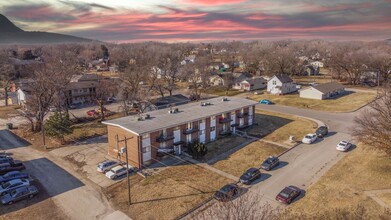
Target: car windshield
x,y
284,194
342,144
308,137
225,189
6,185
120,170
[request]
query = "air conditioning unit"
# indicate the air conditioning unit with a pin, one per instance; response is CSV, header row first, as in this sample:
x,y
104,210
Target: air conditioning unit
x,y
122,150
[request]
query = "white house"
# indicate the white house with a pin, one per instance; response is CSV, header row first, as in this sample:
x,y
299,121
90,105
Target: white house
x,y
322,91
281,84
216,80
252,84
21,97
317,64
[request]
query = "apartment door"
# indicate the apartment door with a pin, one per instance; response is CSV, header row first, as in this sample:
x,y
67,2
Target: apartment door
x,y
250,116
213,128
146,148
233,117
202,131
177,138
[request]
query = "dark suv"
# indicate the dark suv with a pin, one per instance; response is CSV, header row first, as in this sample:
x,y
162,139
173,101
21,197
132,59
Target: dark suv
x,y
270,162
322,131
250,175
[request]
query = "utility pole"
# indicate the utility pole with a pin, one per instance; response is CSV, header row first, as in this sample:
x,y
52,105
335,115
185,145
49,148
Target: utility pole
x,y
125,140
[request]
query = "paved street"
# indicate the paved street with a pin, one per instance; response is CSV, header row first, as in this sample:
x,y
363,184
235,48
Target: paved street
x,y
305,164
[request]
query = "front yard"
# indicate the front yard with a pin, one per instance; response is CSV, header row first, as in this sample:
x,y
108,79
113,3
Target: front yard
x,y
220,91
346,103
222,145
344,184
167,194
250,156
278,127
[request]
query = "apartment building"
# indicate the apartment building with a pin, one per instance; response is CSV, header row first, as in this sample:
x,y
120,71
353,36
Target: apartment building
x,y
170,130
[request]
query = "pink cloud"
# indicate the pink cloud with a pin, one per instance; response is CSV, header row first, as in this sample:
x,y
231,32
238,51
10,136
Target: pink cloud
x,y
214,2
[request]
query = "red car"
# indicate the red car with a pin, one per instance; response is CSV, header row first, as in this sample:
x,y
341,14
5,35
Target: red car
x,y
288,194
92,113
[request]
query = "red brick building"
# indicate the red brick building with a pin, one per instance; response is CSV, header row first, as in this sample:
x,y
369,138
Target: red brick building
x,y
170,130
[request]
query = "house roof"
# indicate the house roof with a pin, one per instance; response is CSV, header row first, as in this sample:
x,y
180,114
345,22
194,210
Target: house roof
x,y
328,87
255,80
161,119
81,85
284,78
164,102
84,77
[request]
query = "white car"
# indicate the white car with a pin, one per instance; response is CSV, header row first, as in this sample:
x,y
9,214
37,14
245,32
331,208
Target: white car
x,y
106,165
309,138
118,171
344,146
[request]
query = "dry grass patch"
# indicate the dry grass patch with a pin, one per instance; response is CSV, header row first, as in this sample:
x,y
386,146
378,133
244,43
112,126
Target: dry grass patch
x,y
222,145
167,194
250,156
344,184
219,91
9,111
278,127
386,197
309,79
346,103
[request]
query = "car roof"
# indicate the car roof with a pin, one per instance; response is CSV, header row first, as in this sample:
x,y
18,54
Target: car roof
x,y
23,188
12,172
116,168
252,170
15,181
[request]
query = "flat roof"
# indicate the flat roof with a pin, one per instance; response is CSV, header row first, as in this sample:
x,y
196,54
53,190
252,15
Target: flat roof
x,y
161,119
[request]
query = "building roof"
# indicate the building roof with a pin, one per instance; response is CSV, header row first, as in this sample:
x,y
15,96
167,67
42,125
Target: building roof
x,y
255,80
161,119
284,78
81,85
328,87
164,102
84,77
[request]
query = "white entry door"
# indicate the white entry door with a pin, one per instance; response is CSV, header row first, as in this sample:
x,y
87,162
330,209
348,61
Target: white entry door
x,y
213,128
177,138
202,132
250,115
146,148
233,117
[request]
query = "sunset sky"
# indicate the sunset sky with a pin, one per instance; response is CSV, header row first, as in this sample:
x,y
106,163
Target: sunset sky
x,y
204,20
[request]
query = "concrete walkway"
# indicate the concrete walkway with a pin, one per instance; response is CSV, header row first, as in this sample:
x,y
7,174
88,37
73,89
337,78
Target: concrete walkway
x,y
275,143
374,195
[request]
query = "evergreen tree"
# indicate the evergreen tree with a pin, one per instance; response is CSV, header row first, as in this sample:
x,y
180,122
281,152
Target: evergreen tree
x,y
197,150
58,125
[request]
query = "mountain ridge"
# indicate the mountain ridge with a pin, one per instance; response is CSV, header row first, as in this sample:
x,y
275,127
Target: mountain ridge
x,y
11,34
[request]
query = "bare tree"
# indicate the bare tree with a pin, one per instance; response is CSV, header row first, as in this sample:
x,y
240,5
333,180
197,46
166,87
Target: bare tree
x,y
7,73
380,62
246,207
373,126
103,90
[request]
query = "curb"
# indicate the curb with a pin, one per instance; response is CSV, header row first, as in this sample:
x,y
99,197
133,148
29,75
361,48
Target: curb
x,y
184,215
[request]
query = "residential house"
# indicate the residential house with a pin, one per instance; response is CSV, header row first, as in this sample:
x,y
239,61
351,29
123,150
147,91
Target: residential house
x,y
82,89
311,70
322,91
317,64
172,130
253,84
281,84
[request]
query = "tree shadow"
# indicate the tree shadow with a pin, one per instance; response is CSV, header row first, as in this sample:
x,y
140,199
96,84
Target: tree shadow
x,y
172,197
264,177
266,124
341,95
9,140
331,133
50,179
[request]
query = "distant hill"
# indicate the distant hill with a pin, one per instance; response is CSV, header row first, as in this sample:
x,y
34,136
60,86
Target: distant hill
x,y
11,34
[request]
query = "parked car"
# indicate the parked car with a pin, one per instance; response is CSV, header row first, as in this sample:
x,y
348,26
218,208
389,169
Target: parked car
x,y
344,146
322,131
288,194
106,165
13,175
226,193
7,167
309,138
270,163
6,160
118,171
266,102
13,184
112,99
92,112
250,175
19,194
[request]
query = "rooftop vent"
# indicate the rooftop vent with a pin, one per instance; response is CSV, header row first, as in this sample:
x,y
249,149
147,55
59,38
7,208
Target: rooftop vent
x,y
205,103
147,116
224,99
173,111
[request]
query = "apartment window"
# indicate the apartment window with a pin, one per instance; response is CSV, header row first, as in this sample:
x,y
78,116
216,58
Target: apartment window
x,y
164,132
274,82
242,110
145,136
202,132
190,125
212,128
146,149
213,117
203,121
85,90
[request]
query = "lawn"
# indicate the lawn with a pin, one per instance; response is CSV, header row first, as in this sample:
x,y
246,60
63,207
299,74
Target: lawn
x,y
250,156
167,194
344,184
9,111
309,79
346,103
220,91
222,145
278,127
